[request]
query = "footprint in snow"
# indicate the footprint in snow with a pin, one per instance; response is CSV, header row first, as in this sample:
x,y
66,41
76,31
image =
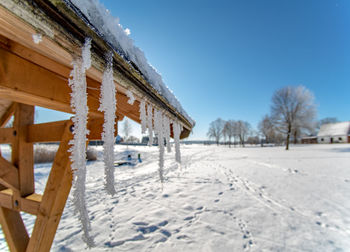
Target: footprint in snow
x,y
140,223
163,223
121,242
322,224
180,237
319,214
165,232
188,218
148,229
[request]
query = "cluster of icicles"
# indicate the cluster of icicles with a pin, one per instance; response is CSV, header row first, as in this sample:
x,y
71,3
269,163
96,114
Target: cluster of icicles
x,y
153,120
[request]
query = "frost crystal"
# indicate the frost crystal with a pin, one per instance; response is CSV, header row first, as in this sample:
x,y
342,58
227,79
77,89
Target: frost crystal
x,y
166,127
108,106
86,54
131,97
159,130
143,116
150,124
177,130
78,149
37,38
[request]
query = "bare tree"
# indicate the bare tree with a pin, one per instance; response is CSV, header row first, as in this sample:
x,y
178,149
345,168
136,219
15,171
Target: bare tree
x,y
215,130
266,128
253,140
328,120
229,130
293,109
242,129
127,128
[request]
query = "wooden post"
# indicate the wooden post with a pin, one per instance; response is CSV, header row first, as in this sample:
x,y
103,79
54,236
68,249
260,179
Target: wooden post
x,y
22,151
54,198
14,230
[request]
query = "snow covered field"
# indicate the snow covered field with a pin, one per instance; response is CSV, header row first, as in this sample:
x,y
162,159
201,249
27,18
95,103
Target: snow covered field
x,y
221,199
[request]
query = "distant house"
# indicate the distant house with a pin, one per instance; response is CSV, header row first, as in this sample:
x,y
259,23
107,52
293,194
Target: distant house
x,y
309,140
334,133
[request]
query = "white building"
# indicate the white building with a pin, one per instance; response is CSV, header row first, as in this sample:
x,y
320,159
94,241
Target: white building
x,y
334,133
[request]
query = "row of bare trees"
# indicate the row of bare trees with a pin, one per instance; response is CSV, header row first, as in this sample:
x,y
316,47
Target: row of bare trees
x,y
293,113
228,130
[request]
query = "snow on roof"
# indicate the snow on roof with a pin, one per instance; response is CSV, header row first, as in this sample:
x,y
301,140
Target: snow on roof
x,y
334,129
112,31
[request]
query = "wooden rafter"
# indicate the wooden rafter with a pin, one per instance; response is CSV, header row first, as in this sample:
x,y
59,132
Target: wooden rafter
x,y
23,81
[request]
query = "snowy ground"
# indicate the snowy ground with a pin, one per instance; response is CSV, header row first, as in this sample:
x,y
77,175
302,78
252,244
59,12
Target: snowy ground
x,y
221,199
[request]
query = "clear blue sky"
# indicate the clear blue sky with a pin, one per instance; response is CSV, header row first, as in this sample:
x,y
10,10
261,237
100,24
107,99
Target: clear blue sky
x,y
226,58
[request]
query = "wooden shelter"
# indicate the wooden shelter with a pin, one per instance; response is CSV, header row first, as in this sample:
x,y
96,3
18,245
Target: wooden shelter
x,y
37,75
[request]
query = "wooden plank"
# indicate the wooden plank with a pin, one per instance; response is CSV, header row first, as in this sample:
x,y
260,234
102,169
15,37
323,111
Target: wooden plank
x,y
12,28
46,132
25,82
29,204
54,198
37,58
8,174
6,198
123,107
7,115
53,131
22,151
95,127
13,227
7,135
21,75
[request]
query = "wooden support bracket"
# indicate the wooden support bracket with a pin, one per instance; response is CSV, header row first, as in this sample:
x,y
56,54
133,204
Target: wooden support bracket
x,y
8,175
13,227
7,115
54,198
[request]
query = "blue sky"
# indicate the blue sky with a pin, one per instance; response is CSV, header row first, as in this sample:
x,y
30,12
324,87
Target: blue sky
x,y
226,58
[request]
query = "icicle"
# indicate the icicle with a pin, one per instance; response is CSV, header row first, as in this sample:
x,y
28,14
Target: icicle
x,y
131,97
177,130
150,124
78,149
143,116
166,126
108,106
86,54
158,124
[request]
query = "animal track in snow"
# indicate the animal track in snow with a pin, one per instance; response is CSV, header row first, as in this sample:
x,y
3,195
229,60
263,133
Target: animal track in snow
x,y
246,235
